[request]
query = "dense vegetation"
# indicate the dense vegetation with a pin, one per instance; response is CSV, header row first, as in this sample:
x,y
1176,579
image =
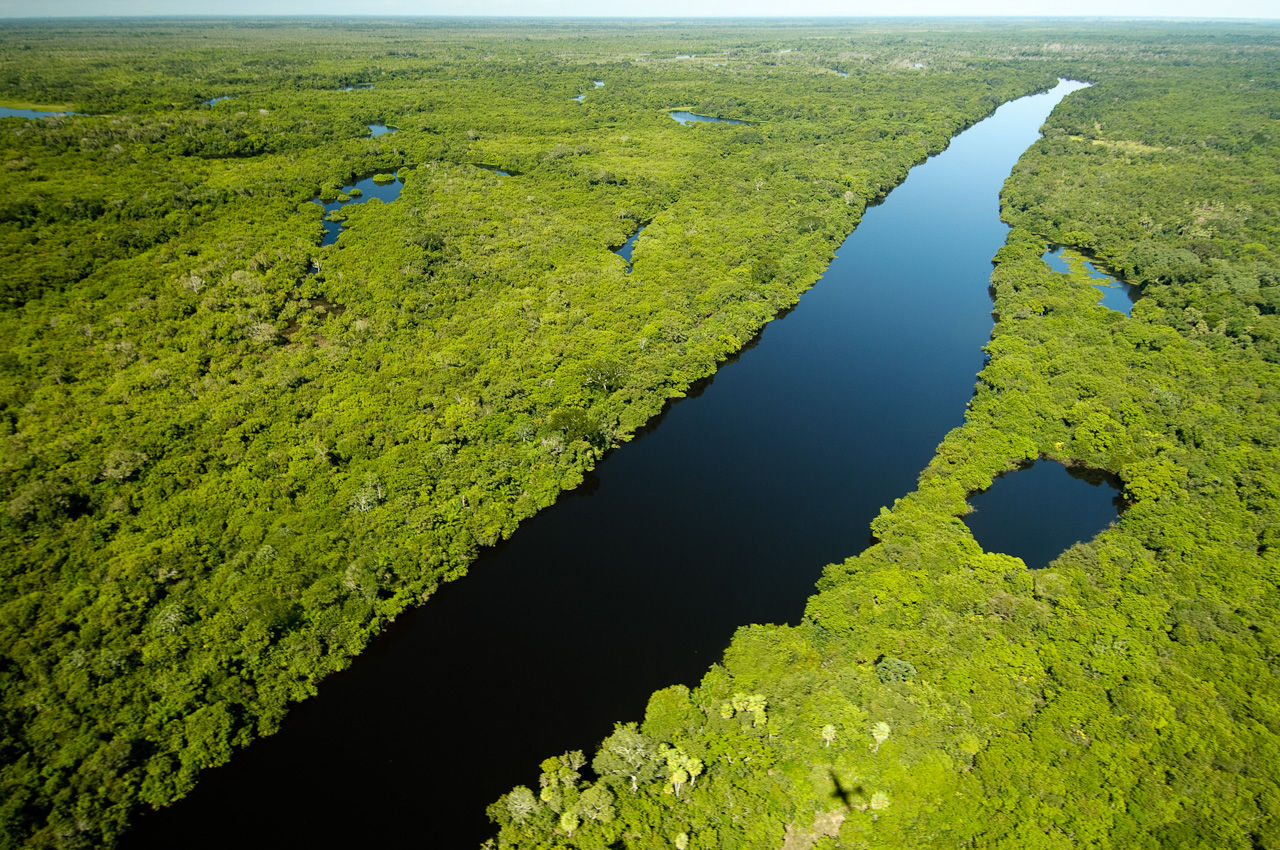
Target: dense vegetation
x,y
222,473
231,455
938,695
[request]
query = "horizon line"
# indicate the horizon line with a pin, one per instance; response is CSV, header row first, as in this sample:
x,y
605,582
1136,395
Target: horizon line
x,y
570,17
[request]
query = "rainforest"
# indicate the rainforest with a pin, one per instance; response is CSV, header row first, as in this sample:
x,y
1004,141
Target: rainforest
x,y
301,318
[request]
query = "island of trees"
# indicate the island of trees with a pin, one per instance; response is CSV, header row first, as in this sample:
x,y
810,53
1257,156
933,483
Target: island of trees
x,y
231,455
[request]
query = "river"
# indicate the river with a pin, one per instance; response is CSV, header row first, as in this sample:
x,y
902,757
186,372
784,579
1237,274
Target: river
x,y
722,514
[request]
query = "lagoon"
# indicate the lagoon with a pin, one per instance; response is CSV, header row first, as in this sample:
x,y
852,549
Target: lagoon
x,y
356,193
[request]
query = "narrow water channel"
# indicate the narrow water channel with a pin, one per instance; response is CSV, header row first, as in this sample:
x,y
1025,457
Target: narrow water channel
x,y
1116,294
722,514
7,112
682,117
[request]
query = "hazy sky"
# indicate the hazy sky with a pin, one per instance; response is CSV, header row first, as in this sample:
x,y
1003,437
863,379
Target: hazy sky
x,y
650,8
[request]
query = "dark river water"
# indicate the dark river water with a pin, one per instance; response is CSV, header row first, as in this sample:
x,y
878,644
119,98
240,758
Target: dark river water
x,y
722,514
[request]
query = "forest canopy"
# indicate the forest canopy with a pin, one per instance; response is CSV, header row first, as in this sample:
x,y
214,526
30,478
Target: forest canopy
x,y
231,453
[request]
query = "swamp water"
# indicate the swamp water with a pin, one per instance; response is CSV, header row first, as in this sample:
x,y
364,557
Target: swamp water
x,y
1116,294
363,191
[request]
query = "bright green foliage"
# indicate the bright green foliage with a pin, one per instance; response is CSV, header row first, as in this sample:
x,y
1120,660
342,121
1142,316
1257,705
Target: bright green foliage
x,y
680,766
754,704
880,733
627,754
521,803
222,473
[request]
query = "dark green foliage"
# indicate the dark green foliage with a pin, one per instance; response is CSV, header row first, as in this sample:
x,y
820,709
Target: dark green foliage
x,y
895,670
575,424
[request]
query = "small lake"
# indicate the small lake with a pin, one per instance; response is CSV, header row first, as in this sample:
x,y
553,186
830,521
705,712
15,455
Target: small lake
x,y
722,512
358,193
1116,294
6,112
377,130
1039,511
682,117
211,101
627,247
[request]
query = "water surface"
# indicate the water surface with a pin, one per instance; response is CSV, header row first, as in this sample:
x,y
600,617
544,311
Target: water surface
x,y
682,117
1116,294
366,189
1038,512
6,112
627,247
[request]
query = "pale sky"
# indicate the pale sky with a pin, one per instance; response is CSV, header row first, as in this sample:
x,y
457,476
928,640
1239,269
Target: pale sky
x,y
651,8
